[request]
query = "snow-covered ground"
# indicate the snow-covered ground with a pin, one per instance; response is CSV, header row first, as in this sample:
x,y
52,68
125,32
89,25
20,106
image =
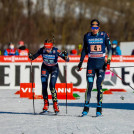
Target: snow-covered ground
x,y
16,116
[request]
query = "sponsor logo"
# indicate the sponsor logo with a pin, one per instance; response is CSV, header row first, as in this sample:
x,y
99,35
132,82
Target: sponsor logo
x,y
90,75
43,72
96,40
46,56
89,71
101,71
63,90
96,55
53,76
100,76
26,90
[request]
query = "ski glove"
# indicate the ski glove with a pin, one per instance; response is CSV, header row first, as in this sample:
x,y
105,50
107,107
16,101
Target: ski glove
x,y
65,53
79,66
108,65
30,56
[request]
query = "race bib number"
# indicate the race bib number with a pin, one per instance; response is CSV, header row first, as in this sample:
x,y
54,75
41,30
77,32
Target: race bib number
x,y
95,48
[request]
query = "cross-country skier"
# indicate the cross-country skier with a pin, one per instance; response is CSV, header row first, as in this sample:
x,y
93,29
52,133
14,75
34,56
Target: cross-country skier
x,y
49,67
94,44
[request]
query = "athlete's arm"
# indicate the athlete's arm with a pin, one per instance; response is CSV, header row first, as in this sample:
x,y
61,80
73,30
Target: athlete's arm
x,y
108,45
32,57
83,54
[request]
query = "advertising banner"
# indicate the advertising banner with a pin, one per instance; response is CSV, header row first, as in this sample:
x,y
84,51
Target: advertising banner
x,y
15,70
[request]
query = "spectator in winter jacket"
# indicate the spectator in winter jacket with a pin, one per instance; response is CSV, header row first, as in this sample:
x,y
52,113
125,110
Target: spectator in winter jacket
x,y
115,48
23,51
11,50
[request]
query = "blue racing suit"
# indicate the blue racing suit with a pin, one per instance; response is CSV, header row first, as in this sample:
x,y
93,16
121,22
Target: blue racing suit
x,y
49,66
94,46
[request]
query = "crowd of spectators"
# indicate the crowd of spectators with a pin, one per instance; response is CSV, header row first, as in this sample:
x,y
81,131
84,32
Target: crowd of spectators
x,y
12,51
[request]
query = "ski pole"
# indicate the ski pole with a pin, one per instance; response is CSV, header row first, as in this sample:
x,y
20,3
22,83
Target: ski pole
x,y
113,67
121,79
32,86
53,39
66,83
117,75
121,66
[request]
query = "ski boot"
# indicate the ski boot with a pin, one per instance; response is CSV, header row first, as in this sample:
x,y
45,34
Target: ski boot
x,y
46,105
86,108
98,111
56,107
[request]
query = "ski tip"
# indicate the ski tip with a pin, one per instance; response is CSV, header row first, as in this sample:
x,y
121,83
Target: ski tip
x,y
97,116
82,115
56,113
43,112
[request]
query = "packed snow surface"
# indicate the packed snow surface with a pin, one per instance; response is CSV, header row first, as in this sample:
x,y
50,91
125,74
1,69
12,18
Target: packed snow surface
x,y
16,115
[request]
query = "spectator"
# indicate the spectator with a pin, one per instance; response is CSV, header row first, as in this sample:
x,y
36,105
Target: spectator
x,y
79,49
11,51
115,48
74,52
23,51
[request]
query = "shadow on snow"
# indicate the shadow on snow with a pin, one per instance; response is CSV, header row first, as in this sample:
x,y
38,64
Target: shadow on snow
x,y
121,106
2,112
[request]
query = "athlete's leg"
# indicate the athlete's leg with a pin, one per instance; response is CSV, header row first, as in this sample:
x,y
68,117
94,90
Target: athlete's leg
x,y
100,77
53,79
90,80
44,80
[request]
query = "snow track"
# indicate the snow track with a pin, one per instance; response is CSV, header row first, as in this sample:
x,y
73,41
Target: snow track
x,y
16,116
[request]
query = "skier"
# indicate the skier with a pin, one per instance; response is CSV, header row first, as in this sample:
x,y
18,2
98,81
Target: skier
x,y
94,44
49,67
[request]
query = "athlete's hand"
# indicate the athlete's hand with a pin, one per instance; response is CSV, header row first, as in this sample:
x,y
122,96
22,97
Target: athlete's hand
x,y
30,56
79,66
65,53
108,65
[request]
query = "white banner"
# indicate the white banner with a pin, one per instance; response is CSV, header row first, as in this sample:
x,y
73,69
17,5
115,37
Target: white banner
x,y
12,74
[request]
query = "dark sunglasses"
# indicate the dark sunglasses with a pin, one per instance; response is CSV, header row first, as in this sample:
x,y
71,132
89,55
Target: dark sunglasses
x,y
94,28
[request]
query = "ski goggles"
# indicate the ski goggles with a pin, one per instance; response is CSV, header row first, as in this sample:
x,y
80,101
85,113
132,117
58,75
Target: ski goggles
x,y
48,45
94,28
